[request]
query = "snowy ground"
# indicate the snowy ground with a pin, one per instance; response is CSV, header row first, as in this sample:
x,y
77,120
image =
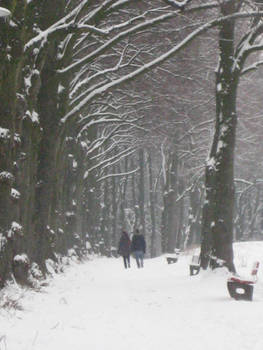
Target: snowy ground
x,y
99,305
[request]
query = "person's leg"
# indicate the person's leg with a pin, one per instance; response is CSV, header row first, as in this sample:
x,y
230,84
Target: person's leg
x,y
137,258
141,258
125,262
128,260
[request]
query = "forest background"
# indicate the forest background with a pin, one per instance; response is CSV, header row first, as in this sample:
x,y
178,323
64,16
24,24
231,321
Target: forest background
x,y
115,115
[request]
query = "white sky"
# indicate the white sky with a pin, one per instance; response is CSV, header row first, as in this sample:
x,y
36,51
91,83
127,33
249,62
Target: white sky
x,y
101,306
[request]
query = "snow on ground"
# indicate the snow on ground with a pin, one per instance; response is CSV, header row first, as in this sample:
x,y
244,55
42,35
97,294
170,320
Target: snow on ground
x,y
101,306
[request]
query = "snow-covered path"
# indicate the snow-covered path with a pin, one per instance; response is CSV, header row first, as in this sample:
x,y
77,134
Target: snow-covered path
x,y
100,305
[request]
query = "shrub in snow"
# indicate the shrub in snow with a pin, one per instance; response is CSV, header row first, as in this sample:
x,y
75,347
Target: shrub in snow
x,y
51,266
113,252
71,252
10,297
35,276
35,271
65,260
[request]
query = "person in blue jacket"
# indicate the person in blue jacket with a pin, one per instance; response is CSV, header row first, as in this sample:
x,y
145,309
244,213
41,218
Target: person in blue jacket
x,y
124,248
138,247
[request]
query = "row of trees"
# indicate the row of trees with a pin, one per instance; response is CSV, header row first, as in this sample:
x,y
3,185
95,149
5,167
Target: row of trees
x,y
107,114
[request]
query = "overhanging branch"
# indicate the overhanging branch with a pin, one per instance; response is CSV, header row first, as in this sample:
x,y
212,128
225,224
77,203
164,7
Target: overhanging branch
x,y
156,62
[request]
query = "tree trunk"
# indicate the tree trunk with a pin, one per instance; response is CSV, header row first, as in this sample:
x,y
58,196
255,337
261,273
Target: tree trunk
x,y
141,191
217,224
152,196
170,210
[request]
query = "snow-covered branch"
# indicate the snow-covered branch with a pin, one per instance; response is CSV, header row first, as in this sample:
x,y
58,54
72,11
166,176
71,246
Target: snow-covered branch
x,y
73,22
243,181
246,47
156,62
101,73
139,27
252,67
59,24
188,189
117,175
113,160
98,143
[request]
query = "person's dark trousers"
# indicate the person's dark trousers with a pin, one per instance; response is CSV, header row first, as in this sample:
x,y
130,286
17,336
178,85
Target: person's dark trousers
x,y
126,260
139,258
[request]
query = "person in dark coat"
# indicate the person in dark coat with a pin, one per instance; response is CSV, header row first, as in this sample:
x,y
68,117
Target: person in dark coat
x,y
138,247
124,248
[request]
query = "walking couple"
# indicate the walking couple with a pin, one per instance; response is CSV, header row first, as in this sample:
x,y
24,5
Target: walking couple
x,y
137,246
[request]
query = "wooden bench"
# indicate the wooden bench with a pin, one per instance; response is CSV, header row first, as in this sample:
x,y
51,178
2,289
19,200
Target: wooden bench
x,y
174,258
194,265
242,288
171,260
